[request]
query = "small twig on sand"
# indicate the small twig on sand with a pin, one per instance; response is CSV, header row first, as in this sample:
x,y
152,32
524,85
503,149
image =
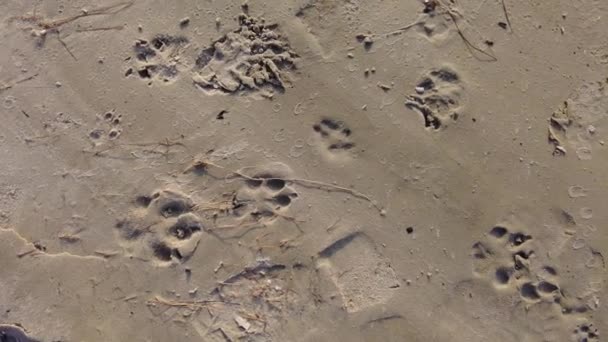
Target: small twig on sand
x,y
66,47
504,8
333,225
167,144
47,24
201,165
14,83
43,26
198,304
240,225
466,41
432,7
400,30
93,29
385,318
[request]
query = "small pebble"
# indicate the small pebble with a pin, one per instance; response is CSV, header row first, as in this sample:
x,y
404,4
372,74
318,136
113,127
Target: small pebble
x,y
184,22
420,90
350,55
383,86
591,129
58,84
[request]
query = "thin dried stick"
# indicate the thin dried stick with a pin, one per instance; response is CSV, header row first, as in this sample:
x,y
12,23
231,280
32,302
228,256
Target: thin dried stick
x,y
57,23
198,165
504,8
454,18
21,80
189,304
465,39
107,28
400,30
66,47
240,225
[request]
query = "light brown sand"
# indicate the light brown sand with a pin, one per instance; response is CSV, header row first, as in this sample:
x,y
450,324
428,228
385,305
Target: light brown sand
x,y
303,170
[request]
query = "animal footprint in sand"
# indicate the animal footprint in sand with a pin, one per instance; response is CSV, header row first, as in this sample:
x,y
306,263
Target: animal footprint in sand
x,y
158,59
362,275
585,333
506,258
509,260
438,98
254,57
577,123
265,195
333,136
162,228
108,128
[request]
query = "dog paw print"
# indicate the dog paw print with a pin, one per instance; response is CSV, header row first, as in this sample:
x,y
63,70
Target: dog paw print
x,y
108,128
333,136
265,195
504,258
585,333
507,259
438,98
162,227
158,59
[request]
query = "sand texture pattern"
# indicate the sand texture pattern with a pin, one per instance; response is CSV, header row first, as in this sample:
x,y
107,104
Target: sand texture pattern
x,y
303,170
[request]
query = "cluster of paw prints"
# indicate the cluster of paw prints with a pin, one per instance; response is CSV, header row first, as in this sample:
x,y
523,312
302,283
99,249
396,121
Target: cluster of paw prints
x,y
162,227
108,127
157,59
263,197
253,57
333,136
438,98
586,333
508,259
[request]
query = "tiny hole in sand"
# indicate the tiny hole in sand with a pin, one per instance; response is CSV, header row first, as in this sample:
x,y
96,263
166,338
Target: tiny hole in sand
x,y
282,200
275,183
498,231
502,275
162,251
528,291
